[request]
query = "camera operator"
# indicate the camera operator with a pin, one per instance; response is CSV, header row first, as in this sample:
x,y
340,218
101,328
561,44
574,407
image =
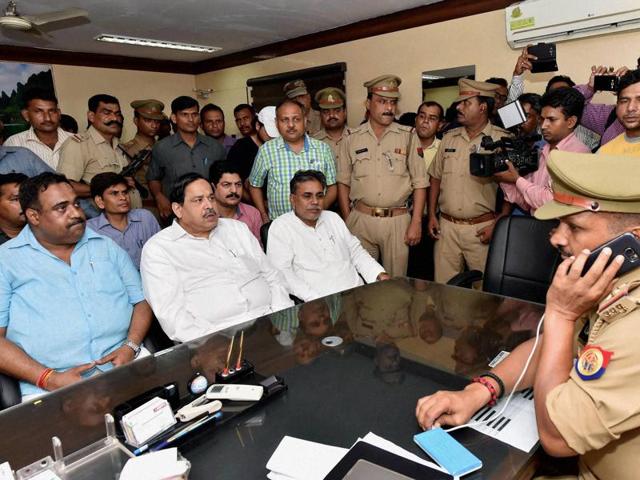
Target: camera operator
x,y
628,114
561,112
467,203
531,104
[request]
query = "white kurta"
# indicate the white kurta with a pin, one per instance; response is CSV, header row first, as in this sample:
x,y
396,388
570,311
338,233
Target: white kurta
x,y
197,286
319,261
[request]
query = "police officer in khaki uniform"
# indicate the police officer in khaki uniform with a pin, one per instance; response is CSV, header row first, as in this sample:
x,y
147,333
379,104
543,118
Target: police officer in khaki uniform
x,y
96,151
147,115
585,376
297,90
467,204
376,177
333,116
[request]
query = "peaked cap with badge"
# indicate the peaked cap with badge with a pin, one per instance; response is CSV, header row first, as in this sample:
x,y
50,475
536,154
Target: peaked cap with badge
x,y
150,108
384,85
470,88
330,97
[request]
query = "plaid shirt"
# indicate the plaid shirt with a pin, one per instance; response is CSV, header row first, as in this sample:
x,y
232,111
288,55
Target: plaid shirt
x,y
277,163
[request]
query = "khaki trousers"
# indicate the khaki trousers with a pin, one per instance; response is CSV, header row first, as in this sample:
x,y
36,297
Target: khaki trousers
x,y
383,236
457,246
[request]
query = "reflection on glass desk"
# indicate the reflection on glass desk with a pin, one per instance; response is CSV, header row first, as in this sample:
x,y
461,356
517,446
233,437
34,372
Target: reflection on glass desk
x,y
401,339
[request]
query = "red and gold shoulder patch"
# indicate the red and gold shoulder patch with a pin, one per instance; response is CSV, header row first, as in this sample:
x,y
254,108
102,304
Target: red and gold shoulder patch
x,y
592,362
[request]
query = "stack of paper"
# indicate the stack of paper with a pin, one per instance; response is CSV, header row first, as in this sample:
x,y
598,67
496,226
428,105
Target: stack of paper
x,y
296,459
159,465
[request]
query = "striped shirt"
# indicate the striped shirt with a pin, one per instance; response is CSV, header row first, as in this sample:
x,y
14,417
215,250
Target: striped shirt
x,y
277,163
29,139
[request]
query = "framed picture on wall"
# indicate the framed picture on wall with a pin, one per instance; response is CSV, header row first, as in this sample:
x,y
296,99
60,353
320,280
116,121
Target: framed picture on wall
x,y
15,79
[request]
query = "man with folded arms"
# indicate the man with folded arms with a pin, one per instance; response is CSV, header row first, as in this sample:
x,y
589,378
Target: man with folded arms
x,y
314,248
204,273
71,302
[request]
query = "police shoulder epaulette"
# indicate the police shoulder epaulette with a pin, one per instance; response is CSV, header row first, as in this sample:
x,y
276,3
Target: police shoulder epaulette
x,y
404,128
76,137
623,300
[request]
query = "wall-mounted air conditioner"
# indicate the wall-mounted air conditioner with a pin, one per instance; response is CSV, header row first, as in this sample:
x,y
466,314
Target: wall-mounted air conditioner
x,y
534,21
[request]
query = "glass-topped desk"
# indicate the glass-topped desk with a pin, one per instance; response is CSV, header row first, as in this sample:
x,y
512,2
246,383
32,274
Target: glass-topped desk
x,y
402,339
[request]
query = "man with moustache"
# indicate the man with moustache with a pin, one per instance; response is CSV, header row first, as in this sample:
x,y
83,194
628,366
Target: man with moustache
x,y
376,177
71,303
228,190
203,274
186,151
313,248
467,204
585,368
280,159
560,115
44,137
628,114
333,116
96,151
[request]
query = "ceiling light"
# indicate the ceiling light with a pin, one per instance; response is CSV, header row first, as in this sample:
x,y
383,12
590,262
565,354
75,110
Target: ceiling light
x,y
146,42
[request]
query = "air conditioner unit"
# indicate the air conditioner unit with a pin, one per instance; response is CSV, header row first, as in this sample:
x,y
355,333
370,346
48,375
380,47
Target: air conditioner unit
x,y
534,21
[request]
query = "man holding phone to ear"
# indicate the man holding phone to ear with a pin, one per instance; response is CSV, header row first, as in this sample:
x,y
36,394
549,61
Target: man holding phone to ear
x,y
587,397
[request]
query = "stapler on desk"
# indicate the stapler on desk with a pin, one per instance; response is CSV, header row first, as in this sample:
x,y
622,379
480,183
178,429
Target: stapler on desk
x,y
200,406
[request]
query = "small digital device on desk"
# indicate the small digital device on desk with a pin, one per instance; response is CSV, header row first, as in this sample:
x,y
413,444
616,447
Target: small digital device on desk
x,y
235,392
448,452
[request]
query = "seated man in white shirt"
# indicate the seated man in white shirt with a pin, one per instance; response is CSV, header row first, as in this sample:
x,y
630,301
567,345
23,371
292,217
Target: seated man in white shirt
x,y
204,273
314,248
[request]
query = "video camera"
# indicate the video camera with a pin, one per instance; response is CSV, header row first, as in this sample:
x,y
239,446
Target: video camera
x,y
516,150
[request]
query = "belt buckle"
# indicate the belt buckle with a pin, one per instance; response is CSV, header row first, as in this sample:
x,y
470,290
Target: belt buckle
x,y
380,212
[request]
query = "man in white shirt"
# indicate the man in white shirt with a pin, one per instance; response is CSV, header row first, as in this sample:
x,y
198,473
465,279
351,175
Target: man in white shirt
x,y
203,273
314,248
44,137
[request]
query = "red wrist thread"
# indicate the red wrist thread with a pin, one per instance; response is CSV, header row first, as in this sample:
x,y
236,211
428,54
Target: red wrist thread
x,y
490,387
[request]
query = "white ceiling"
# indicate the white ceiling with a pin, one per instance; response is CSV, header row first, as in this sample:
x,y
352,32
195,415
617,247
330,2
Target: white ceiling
x,y
234,25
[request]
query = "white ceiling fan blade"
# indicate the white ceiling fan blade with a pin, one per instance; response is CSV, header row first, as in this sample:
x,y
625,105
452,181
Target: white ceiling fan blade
x,y
59,16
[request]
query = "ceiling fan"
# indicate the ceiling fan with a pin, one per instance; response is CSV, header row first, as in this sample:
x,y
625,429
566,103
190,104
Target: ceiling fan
x,y
11,19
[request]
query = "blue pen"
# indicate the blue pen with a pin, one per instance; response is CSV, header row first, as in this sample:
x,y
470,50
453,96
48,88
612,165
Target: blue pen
x,y
182,433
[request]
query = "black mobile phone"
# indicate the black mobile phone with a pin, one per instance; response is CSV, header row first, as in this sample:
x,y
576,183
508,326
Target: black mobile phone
x,y
626,245
607,83
546,57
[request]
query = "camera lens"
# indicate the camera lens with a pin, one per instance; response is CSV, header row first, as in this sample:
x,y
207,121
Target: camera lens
x,y
631,254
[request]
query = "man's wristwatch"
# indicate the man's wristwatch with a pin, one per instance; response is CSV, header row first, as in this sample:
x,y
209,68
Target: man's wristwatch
x,y
133,346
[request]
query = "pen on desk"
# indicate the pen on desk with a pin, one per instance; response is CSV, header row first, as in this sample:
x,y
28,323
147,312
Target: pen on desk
x,y
239,361
226,365
185,431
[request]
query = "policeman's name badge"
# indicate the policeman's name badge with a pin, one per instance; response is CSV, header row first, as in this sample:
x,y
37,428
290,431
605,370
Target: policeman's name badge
x,y
420,152
592,362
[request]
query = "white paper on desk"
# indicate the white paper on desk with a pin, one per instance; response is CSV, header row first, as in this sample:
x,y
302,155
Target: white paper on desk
x,y
516,426
377,441
154,466
278,476
304,460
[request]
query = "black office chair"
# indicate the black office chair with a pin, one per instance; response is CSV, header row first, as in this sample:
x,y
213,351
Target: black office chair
x,y
264,234
9,391
521,261
156,340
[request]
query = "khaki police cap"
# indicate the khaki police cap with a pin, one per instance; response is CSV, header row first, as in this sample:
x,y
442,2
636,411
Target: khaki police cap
x,y
385,86
149,108
471,88
595,183
295,88
330,97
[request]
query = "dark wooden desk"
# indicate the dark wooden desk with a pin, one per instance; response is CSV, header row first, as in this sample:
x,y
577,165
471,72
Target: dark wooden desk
x,y
403,339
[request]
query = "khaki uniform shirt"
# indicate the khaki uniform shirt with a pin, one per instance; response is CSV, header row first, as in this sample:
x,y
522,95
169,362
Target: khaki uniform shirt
x,y
313,122
380,172
461,194
132,147
323,136
600,418
85,155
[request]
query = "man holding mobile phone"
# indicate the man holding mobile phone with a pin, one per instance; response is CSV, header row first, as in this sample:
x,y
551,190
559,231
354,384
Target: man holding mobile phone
x,y
628,114
587,398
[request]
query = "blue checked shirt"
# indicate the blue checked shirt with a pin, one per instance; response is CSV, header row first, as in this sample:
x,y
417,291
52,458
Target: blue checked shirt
x,y
277,163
